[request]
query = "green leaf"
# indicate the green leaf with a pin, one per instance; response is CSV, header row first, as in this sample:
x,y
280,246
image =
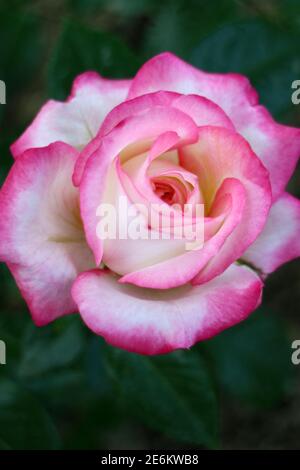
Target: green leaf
x,y
87,6
97,376
80,49
271,65
171,393
20,48
12,324
288,13
252,360
126,9
24,422
20,54
4,445
178,26
48,349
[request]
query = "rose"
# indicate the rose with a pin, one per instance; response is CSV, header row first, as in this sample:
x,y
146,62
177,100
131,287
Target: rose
x,y
172,134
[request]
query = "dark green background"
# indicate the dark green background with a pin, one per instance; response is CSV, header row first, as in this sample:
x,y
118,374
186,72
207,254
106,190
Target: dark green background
x,y
62,387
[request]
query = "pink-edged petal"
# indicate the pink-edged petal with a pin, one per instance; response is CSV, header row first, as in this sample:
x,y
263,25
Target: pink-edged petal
x,y
279,242
115,117
150,322
201,110
77,120
133,176
177,271
125,254
41,235
151,124
221,153
168,72
277,146
135,107
123,251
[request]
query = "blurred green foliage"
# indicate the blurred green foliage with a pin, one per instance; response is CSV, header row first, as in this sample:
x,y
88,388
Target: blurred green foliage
x,y
63,387
80,49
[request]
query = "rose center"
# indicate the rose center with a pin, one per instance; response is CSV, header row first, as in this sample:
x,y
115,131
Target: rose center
x,y
169,190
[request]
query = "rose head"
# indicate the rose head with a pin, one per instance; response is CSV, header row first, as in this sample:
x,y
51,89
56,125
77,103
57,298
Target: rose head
x,y
173,136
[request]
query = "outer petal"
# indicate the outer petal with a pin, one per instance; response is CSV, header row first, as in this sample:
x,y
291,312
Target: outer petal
x,y
280,240
276,145
150,322
77,120
41,236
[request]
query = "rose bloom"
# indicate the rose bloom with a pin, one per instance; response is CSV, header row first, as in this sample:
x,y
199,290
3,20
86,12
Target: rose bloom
x,y
173,134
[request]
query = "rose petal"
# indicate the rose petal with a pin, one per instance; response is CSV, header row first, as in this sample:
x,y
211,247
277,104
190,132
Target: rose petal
x,y
220,154
148,126
277,146
115,117
41,234
123,253
150,322
201,110
279,241
77,120
181,269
